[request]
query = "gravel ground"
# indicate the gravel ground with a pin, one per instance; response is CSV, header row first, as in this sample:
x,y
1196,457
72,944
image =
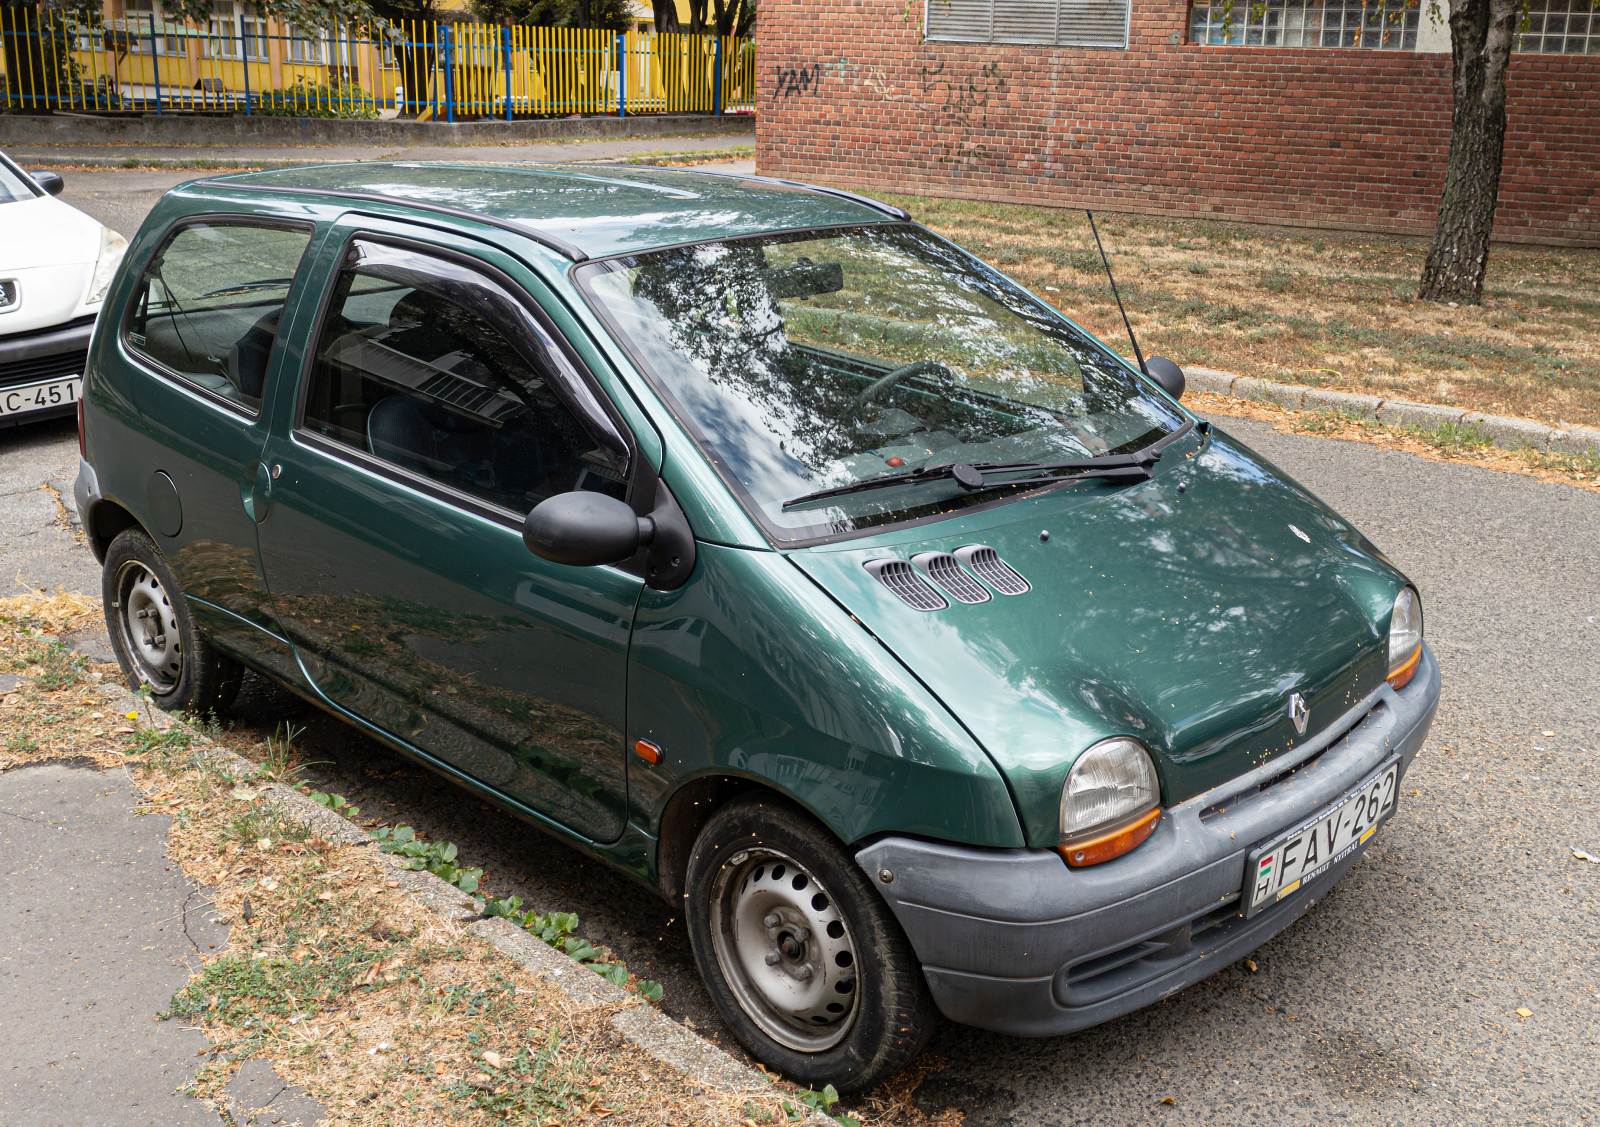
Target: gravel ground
x,y
1398,998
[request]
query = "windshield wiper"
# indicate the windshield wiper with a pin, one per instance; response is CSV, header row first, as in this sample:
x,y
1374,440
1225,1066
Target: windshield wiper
x,y
971,477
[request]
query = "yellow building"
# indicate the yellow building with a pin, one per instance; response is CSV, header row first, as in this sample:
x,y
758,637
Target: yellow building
x,y
138,58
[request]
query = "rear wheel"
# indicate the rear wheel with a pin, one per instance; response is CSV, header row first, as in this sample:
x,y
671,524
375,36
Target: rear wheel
x,y
802,957
153,634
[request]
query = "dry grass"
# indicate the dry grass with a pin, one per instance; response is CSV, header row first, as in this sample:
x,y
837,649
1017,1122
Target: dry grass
x,y
1317,308
381,1010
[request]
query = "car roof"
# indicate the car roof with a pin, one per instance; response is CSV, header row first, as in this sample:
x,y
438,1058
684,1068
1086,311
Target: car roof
x,y
584,211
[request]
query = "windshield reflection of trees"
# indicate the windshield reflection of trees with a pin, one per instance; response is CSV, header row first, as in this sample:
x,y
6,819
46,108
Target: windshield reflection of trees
x,y
774,381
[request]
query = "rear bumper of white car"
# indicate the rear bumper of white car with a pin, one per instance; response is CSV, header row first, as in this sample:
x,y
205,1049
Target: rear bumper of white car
x,y
41,372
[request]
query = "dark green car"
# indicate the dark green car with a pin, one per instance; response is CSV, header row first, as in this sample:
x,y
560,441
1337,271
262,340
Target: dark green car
x,y
769,547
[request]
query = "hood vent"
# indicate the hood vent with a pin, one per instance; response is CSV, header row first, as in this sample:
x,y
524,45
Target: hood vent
x,y
953,572
901,578
987,565
943,569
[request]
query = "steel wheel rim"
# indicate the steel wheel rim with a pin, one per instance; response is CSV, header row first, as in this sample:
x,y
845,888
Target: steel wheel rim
x,y
149,625
784,949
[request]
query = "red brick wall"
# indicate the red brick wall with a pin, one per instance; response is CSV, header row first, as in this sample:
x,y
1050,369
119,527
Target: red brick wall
x,y
850,94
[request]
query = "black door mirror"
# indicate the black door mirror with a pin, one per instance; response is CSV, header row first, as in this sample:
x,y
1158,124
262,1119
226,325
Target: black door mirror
x,y
585,529
51,182
1165,373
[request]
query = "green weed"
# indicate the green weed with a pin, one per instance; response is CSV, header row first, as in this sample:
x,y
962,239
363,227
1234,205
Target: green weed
x,y
60,667
436,857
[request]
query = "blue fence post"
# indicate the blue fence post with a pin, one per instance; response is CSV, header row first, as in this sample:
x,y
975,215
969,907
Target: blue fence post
x,y
622,75
716,76
505,54
155,60
449,74
244,65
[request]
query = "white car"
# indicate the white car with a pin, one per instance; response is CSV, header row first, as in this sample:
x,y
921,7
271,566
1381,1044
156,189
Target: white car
x,y
56,264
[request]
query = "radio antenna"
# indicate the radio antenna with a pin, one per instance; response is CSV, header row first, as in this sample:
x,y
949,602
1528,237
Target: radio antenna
x,y
1126,324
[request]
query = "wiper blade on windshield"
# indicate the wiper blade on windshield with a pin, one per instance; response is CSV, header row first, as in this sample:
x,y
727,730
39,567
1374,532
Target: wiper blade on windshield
x,y
964,475
971,477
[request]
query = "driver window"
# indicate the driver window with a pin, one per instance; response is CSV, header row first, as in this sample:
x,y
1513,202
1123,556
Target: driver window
x,y
422,363
208,305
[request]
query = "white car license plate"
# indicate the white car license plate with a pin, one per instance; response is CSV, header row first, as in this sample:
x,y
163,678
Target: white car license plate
x,y
38,396
1304,853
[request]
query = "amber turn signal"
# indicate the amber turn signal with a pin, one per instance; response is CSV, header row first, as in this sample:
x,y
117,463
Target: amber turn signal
x,y
1403,673
647,751
1112,843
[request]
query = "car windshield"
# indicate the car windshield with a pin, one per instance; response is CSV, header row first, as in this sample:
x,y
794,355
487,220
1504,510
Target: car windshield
x,y
813,361
13,187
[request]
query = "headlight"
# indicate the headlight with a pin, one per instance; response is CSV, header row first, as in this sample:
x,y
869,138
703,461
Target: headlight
x,y
1405,638
1110,803
105,266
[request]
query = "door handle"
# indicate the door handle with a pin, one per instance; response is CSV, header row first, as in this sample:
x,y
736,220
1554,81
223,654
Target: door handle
x,y
257,496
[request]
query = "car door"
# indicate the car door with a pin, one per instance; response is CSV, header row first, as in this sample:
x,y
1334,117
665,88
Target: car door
x,y
437,405
200,344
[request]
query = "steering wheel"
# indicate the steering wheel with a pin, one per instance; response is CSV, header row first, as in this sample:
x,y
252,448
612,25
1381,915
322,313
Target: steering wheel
x,y
886,381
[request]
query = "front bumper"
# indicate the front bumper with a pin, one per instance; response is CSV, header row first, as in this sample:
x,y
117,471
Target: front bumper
x,y
43,356
1015,941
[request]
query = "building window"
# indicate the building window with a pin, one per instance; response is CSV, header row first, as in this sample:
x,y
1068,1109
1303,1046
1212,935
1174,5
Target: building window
x,y
1381,25
1560,27
226,25
1059,23
306,47
136,17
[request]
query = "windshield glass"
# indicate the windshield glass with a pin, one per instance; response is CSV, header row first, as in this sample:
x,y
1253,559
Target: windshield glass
x,y
816,360
12,186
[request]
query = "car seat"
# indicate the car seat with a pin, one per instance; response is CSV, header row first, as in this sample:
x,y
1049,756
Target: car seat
x,y
247,361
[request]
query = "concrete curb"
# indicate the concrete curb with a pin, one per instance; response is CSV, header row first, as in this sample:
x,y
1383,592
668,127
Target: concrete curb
x,y
1503,430
640,1023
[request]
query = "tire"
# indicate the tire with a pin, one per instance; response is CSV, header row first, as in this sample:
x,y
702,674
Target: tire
x,y
802,957
155,639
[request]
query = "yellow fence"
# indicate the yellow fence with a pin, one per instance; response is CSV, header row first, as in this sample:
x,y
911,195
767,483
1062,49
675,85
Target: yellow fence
x,y
443,71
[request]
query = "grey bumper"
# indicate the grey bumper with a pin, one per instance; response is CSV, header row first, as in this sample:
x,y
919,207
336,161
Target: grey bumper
x,y
1015,941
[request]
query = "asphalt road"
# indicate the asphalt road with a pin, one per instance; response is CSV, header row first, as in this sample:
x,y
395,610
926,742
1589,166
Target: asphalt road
x,y
1395,1000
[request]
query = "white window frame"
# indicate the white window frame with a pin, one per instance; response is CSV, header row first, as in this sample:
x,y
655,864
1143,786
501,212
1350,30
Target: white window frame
x,y
306,48
1399,24
136,16
1537,40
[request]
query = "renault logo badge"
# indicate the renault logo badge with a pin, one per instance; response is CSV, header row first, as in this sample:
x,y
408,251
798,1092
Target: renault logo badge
x,y
1299,713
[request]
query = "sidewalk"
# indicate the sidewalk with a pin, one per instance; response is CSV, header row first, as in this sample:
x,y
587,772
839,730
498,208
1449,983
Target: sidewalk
x,y
736,146
88,881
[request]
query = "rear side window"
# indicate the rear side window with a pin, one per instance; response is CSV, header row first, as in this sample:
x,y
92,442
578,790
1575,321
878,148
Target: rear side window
x,y
430,366
208,305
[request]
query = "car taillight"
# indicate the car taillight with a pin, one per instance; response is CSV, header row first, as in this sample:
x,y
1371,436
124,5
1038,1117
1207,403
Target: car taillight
x,y
83,450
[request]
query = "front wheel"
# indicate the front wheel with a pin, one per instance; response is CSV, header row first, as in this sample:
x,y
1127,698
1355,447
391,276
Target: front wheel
x,y
802,957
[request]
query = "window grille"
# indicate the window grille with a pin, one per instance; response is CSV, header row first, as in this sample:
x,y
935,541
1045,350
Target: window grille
x,y
1059,23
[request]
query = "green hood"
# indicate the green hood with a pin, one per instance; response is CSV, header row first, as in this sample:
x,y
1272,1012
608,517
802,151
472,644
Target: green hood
x,y
1183,610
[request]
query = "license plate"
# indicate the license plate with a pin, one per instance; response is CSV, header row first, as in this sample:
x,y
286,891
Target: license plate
x,y
1297,858
38,396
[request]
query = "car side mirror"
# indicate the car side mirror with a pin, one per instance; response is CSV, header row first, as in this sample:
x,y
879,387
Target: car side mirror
x,y
51,182
1165,373
585,529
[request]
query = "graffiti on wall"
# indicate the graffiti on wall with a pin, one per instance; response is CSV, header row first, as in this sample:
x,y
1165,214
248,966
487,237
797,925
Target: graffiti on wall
x,y
798,80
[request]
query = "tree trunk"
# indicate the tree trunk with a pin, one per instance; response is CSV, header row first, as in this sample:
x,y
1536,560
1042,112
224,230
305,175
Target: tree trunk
x,y
1481,34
